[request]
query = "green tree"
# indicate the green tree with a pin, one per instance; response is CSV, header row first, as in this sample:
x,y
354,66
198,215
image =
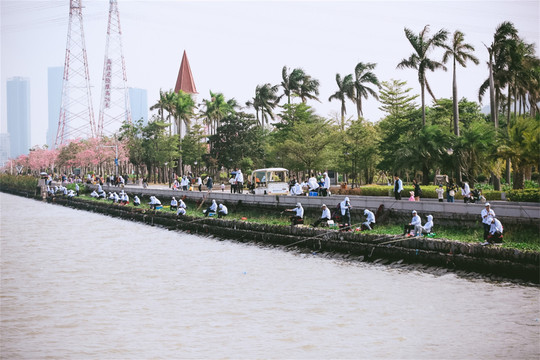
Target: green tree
x,y
361,145
364,77
460,52
418,60
131,135
237,137
345,91
395,99
193,146
522,146
475,148
309,146
158,148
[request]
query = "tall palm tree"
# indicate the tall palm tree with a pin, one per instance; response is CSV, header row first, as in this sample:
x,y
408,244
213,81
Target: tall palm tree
x,y
422,45
265,100
345,91
184,107
165,103
364,75
216,109
499,57
300,84
291,82
309,89
460,53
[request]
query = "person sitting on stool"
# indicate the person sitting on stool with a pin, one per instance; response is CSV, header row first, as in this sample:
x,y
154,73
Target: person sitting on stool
x,y
415,221
298,218
222,210
426,229
211,209
174,204
324,217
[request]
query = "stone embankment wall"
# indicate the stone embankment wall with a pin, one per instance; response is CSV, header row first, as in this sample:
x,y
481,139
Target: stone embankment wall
x,y
453,255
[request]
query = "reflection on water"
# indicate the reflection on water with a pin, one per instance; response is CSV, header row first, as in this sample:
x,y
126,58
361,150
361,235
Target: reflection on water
x,y
79,285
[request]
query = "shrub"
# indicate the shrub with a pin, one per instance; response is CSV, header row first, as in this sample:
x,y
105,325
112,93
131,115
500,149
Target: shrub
x,y
21,182
527,195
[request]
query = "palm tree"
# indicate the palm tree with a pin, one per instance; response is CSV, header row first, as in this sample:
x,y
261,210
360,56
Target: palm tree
x,y
216,109
184,107
345,90
300,84
291,82
422,45
309,89
165,103
364,75
505,35
460,53
265,100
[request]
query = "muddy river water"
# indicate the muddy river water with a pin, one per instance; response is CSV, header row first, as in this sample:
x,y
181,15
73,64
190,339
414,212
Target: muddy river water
x,y
79,285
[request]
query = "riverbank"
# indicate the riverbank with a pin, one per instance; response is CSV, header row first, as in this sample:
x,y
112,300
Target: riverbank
x,y
446,254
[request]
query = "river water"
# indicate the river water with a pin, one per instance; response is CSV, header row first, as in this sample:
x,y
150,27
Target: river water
x,y
79,285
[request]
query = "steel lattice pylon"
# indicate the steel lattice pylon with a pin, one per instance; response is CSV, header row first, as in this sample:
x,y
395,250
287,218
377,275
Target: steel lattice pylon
x,y
76,112
115,107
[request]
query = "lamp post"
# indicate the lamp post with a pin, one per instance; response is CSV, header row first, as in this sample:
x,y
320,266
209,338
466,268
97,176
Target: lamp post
x,y
116,156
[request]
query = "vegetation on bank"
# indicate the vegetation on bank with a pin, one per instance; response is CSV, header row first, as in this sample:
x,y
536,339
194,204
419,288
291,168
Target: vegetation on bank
x,y
26,183
524,238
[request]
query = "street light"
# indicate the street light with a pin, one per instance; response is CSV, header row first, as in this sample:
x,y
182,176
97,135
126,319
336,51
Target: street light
x,y
116,156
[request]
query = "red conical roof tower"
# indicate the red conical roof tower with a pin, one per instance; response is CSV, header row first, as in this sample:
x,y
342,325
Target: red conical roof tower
x,y
185,78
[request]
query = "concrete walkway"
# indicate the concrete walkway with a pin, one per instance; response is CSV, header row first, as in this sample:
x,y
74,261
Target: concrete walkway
x,y
530,212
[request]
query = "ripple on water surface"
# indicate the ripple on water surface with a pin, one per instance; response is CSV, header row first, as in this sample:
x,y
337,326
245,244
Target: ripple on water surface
x,y
80,285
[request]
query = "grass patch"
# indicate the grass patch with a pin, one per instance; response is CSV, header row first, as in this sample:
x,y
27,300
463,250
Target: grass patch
x,y
522,238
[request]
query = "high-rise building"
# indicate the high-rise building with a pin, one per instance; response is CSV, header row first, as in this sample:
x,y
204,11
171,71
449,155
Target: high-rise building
x,y
55,76
138,99
18,115
4,149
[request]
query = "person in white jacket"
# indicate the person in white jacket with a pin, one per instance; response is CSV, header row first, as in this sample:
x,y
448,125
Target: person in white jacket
x,y
136,201
298,217
181,208
239,181
495,232
466,192
211,209
370,220
325,216
426,229
326,185
312,183
222,210
297,189
174,204
410,226
345,208
487,215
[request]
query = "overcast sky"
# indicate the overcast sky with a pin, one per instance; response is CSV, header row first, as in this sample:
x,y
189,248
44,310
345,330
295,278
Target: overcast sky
x,y
234,46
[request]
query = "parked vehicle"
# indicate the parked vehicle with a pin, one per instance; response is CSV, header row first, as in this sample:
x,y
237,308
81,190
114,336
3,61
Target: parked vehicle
x,y
270,181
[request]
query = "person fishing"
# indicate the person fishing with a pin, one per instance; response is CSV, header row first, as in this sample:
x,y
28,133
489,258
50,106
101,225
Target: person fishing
x,y
325,216
298,217
345,208
370,220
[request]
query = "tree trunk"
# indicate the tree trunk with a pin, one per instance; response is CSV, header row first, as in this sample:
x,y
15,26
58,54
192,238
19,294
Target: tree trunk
x,y
425,175
422,92
455,102
492,100
519,179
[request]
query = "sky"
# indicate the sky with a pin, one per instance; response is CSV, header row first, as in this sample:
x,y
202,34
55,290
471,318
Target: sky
x,y
233,46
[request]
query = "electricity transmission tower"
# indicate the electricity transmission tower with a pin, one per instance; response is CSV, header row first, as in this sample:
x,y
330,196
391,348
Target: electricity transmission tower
x,y
76,112
115,107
